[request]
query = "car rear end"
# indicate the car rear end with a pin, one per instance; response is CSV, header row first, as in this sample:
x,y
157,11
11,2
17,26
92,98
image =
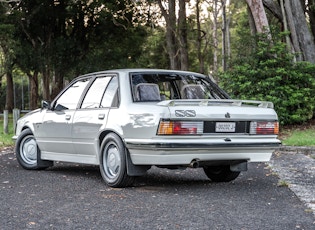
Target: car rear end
x,y
205,131
193,120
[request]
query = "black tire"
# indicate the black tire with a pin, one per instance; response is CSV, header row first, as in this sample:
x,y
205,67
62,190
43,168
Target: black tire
x,y
220,173
27,151
113,162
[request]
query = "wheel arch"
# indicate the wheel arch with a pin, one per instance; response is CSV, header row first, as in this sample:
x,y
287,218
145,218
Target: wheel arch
x,y
27,127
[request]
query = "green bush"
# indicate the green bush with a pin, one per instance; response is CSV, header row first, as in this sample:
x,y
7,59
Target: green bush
x,y
270,74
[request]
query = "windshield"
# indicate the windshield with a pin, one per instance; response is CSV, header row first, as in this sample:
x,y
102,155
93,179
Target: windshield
x,y
161,86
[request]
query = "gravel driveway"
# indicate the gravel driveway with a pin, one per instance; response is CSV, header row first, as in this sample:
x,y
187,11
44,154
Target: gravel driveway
x,y
71,196
296,168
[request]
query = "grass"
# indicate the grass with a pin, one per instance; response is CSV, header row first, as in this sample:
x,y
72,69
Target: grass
x,y
6,139
298,135
282,183
301,138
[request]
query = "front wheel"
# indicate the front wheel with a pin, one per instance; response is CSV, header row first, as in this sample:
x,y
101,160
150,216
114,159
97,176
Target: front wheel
x,y
221,173
28,153
113,162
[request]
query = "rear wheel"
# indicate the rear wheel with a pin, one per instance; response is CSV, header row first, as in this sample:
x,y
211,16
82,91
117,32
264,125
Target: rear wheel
x,y
113,162
221,173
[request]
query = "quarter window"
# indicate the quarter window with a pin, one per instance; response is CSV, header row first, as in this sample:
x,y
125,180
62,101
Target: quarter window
x,y
110,98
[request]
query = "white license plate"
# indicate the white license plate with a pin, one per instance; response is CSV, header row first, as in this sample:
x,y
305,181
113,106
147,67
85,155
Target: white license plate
x,y
225,127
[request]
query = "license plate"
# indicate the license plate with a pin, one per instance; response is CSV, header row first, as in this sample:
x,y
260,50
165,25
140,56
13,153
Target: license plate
x,y
225,127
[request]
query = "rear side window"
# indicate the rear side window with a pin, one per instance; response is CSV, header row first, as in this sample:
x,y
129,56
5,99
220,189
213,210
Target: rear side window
x,y
102,93
95,93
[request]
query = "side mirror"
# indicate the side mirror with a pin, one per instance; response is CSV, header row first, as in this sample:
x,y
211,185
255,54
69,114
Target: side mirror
x,y
45,104
60,107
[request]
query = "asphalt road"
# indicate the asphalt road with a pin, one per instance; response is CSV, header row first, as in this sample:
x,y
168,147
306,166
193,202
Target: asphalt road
x,y
69,196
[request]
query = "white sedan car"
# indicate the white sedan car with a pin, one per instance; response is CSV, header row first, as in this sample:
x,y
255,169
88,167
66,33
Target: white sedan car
x,y
128,120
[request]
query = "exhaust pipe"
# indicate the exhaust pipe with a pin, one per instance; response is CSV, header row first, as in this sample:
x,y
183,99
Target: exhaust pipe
x,y
194,164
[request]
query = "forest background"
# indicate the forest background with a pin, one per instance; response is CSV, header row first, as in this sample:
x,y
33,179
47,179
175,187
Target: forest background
x,y
254,49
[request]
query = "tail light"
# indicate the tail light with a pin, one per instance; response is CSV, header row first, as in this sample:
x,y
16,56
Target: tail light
x,y
264,127
180,127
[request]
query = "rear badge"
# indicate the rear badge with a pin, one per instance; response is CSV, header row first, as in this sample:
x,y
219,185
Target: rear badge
x,y
185,113
227,115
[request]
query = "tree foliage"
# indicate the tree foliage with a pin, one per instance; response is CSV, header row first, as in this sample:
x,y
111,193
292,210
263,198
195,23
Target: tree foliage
x,y
55,40
268,73
59,40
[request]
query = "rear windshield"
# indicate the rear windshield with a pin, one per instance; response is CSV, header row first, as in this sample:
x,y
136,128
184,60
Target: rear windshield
x,y
161,86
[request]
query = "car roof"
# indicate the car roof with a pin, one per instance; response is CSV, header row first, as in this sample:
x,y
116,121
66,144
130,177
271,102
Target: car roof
x,y
143,70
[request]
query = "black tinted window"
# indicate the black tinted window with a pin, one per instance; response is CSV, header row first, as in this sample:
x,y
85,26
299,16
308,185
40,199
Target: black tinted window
x,y
160,86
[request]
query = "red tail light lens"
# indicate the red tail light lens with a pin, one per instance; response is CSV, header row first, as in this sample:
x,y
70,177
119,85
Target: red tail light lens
x,y
180,127
264,127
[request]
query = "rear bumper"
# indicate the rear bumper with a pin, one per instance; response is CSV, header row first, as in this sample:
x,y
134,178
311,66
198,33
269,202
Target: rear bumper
x,y
184,152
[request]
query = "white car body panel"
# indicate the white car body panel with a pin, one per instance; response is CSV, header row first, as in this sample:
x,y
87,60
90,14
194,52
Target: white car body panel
x,y
85,130
54,132
75,135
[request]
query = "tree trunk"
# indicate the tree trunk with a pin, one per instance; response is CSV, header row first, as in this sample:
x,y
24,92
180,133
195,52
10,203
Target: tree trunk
x,y
293,32
224,35
182,33
7,67
58,84
9,101
199,39
171,43
260,18
33,79
1,92
304,37
285,25
311,14
215,36
251,21
274,8
46,85
228,39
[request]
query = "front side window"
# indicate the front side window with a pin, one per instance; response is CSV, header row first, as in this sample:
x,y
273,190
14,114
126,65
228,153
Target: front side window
x,y
70,98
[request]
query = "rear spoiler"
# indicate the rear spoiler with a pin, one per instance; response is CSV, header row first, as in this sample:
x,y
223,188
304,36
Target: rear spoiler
x,y
210,102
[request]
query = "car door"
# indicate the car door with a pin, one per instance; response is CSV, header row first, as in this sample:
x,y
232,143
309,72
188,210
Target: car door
x,y
54,133
92,115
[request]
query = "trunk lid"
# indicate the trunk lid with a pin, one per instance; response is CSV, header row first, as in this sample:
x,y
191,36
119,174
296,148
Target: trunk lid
x,y
220,110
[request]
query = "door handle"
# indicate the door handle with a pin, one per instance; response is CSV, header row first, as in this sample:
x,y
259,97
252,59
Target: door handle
x,y
101,116
68,117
